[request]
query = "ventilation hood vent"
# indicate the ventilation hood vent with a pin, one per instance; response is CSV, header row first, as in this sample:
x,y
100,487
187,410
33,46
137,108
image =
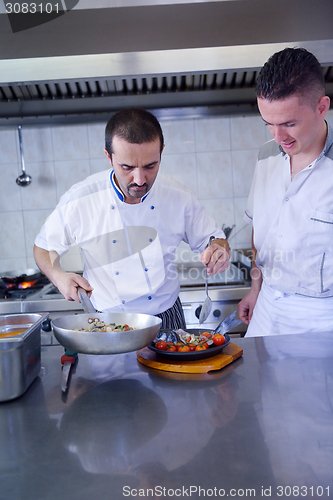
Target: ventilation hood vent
x,y
72,98
194,58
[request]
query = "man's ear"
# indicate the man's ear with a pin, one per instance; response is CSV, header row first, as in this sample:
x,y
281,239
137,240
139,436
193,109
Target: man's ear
x,y
108,156
324,105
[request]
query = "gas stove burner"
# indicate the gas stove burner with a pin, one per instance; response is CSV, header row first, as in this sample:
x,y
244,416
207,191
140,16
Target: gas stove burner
x,y
19,293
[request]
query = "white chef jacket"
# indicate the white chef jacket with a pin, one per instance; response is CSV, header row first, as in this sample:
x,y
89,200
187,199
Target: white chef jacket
x,y
293,221
128,250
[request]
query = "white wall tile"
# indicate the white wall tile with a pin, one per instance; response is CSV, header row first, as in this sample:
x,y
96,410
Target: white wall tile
x,y
33,222
212,134
99,164
214,175
247,132
69,173
182,168
96,139
37,144
243,165
15,264
178,136
10,192
41,193
221,210
70,142
243,231
9,146
12,242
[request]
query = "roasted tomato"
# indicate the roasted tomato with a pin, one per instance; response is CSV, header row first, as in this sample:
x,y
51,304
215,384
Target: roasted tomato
x,y
201,347
161,344
204,344
218,339
171,347
184,348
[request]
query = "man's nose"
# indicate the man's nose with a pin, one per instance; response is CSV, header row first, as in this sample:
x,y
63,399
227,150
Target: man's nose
x,y
139,177
279,134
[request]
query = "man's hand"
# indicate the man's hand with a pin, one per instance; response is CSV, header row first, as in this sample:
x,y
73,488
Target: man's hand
x,y
246,306
68,283
216,257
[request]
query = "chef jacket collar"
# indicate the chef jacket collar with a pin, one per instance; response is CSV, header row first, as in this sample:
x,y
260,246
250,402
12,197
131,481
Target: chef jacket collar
x,y
118,191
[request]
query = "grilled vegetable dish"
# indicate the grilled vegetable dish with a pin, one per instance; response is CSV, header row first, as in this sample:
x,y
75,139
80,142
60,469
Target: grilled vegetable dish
x,y
182,341
96,325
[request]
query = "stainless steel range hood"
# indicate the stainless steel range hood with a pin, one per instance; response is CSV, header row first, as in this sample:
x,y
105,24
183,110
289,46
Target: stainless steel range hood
x,y
185,56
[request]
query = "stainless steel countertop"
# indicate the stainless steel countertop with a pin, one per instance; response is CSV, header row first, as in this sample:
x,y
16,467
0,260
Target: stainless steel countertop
x,y
263,424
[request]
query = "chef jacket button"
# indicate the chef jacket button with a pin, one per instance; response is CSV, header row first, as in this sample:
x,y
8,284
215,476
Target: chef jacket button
x,y
280,235
150,240
152,207
117,272
114,241
287,199
146,269
112,207
149,298
123,302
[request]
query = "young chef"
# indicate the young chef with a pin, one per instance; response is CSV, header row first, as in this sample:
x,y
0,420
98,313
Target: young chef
x,y
128,222
290,204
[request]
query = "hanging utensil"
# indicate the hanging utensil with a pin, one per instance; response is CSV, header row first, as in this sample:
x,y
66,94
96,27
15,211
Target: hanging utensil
x,y
207,305
24,179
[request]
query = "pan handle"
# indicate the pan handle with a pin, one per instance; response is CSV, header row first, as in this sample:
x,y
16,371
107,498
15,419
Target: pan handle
x,y
85,301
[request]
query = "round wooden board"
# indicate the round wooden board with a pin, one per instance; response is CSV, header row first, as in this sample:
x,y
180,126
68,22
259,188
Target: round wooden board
x,y
228,355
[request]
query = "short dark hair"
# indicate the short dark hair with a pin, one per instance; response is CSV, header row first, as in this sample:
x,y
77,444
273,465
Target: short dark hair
x,y
135,126
292,71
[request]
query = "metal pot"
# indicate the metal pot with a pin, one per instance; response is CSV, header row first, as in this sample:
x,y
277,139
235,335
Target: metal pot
x,y
66,332
20,353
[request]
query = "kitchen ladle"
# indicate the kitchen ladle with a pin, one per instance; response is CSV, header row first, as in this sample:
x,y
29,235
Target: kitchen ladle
x,y
24,179
207,305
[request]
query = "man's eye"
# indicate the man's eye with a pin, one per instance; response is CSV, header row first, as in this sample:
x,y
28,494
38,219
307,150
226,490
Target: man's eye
x,y
290,125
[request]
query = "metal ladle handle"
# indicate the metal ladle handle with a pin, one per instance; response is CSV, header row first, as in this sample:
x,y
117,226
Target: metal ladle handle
x,y
21,148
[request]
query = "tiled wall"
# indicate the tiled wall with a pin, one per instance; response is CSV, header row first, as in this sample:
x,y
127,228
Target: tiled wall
x,y
213,156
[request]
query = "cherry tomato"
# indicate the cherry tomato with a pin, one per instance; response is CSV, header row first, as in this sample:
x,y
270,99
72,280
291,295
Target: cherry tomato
x,y
179,344
192,347
204,344
127,328
161,344
183,348
172,348
201,347
218,339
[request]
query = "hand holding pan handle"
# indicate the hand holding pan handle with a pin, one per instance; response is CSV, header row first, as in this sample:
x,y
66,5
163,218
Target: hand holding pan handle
x,y
85,301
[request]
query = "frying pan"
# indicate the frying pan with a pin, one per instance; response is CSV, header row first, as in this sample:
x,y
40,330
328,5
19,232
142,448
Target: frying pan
x,y
146,329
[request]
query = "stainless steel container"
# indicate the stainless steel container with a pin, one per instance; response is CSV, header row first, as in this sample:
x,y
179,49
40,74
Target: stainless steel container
x,y
20,353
